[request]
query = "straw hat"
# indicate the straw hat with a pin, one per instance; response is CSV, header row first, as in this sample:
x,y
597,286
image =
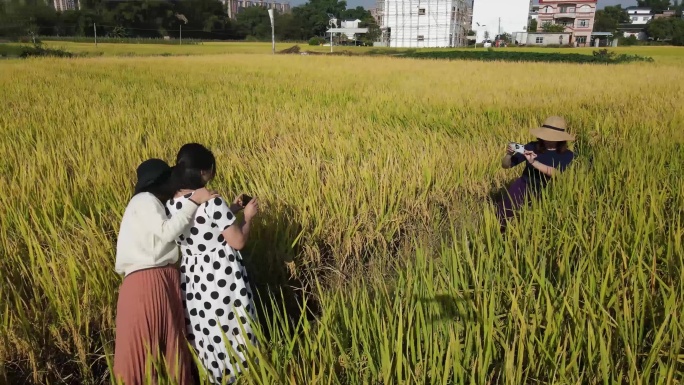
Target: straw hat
x,y
553,130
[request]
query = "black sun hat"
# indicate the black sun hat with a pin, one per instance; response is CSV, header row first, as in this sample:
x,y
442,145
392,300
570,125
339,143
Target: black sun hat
x,y
151,172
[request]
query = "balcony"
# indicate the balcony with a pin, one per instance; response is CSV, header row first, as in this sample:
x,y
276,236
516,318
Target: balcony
x,y
565,15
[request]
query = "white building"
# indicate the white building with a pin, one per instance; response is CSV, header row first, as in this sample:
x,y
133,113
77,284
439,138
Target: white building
x,y
66,5
636,27
423,23
351,25
639,15
499,16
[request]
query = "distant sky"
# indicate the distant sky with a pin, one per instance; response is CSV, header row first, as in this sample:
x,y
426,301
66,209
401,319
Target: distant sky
x,y
371,3
511,15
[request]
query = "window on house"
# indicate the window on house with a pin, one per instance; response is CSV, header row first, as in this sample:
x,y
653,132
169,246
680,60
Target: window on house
x,y
635,18
566,9
646,18
421,37
581,39
421,11
540,40
583,23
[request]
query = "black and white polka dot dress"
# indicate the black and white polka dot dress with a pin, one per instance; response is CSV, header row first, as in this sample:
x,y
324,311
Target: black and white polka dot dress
x,y
215,286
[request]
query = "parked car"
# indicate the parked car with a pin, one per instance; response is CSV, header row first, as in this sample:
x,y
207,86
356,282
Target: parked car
x,y
487,43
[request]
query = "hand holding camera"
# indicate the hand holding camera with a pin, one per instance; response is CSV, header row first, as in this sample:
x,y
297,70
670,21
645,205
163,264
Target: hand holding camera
x,y
514,147
248,204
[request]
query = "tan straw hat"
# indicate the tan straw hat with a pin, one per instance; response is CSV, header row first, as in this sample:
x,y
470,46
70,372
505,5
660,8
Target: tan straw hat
x,y
553,130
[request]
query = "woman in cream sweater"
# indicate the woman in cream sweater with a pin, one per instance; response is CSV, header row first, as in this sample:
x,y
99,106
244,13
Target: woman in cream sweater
x,y
149,320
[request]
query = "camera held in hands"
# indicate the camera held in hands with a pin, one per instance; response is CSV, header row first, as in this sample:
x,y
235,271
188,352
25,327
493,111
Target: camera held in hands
x,y
517,147
244,200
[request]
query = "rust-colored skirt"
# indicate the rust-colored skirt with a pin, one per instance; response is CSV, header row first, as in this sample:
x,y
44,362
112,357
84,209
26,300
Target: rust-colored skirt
x,y
150,328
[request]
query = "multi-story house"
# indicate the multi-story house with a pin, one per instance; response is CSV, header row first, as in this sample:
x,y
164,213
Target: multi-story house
x,y
639,15
638,19
576,16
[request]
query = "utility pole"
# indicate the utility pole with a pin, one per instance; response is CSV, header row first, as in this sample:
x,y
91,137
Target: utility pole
x,y
270,16
95,31
184,20
499,28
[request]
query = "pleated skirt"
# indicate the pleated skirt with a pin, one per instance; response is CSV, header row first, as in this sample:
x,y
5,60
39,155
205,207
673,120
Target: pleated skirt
x,y
150,345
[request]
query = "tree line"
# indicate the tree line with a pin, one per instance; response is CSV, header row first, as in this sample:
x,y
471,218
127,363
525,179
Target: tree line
x,y
195,19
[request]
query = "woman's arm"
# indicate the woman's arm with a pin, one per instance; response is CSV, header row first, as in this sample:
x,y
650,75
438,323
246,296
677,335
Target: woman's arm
x,y
511,159
506,162
237,234
153,217
562,162
233,232
544,169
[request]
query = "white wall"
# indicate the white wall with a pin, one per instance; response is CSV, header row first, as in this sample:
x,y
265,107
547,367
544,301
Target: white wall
x,y
640,19
407,24
548,38
513,14
641,35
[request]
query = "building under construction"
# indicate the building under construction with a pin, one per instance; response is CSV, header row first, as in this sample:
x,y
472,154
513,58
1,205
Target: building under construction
x,y
233,7
424,23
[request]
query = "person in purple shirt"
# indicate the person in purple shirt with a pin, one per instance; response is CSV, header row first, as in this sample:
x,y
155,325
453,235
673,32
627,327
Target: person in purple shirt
x,y
543,158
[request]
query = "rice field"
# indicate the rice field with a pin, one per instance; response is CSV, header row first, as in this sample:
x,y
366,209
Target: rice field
x,y
377,257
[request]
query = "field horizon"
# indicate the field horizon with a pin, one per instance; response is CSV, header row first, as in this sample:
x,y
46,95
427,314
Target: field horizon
x,y
377,257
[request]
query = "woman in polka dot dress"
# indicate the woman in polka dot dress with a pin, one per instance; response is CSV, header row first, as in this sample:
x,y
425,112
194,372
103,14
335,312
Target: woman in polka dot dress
x,y
214,282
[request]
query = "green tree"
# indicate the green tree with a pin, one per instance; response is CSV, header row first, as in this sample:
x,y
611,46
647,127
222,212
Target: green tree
x,y
359,13
25,18
610,18
678,7
288,27
667,29
678,32
532,26
550,27
657,6
505,37
253,22
312,16
207,19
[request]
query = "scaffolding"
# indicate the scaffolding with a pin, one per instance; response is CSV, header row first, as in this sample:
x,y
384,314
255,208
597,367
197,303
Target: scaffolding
x,y
423,23
233,7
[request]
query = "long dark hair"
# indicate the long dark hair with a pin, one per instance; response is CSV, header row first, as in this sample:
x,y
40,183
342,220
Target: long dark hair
x,y
560,146
193,159
163,189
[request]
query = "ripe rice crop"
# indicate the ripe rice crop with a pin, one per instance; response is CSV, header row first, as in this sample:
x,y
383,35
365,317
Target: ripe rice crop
x,y
377,256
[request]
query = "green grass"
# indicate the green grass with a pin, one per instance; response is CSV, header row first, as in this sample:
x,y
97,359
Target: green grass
x,y
374,175
600,58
